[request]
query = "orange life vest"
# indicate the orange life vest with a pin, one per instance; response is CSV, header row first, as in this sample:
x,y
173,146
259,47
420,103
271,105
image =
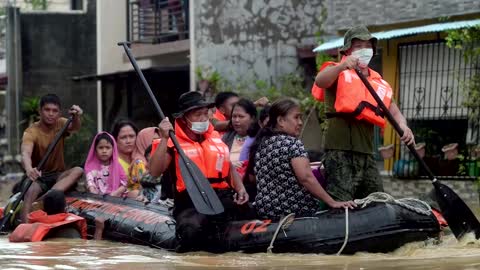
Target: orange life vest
x,y
353,97
39,224
211,156
219,116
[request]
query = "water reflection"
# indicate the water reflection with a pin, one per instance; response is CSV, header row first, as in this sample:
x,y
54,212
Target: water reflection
x,y
79,254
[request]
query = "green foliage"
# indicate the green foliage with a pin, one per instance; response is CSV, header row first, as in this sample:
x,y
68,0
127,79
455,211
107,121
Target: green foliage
x,y
38,4
78,144
468,40
30,106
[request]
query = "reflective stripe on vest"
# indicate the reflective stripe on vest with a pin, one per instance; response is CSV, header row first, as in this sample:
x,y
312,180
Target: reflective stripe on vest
x,y
211,156
353,98
35,232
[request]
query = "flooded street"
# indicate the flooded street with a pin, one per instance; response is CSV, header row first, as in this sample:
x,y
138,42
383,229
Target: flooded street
x,y
79,254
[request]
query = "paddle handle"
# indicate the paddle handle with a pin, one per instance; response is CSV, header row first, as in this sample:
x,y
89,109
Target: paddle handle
x,y
394,123
150,92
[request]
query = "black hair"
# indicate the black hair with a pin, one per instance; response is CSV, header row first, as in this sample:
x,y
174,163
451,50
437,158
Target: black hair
x,y
103,136
279,108
54,202
222,97
264,113
251,110
50,99
119,124
148,151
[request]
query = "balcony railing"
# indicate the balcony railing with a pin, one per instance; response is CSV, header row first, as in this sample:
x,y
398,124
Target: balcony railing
x,y
158,21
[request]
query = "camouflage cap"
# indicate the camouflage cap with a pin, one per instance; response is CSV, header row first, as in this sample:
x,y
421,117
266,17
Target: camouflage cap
x,y
359,32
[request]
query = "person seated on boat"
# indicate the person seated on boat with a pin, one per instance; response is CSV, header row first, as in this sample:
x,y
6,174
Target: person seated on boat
x,y
203,145
52,222
125,133
223,108
151,186
244,122
252,132
138,168
285,183
104,174
35,141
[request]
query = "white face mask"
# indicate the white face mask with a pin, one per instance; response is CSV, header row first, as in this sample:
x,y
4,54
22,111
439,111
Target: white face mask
x,y
199,127
364,56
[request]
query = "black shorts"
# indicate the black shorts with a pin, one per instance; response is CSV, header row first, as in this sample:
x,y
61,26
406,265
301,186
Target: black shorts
x,y
47,181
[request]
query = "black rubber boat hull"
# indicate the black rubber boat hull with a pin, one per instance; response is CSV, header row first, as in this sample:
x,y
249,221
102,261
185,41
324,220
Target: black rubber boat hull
x,y
381,227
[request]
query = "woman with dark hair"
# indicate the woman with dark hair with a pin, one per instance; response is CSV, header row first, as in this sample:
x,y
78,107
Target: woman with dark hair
x,y
252,132
285,183
125,133
243,123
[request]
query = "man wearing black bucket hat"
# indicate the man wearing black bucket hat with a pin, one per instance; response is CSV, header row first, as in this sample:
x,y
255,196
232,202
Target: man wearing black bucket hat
x,y
205,148
352,112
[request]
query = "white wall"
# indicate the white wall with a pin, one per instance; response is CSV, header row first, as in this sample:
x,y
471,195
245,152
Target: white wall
x,y
112,28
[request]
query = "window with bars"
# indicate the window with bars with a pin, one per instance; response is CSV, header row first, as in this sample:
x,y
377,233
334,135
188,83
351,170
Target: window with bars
x,y
431,98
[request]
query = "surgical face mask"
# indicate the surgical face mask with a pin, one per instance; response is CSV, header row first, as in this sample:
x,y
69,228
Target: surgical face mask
x,y
364,56
199,127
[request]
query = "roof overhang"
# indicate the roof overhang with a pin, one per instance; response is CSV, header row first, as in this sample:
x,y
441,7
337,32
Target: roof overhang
x,y
430,28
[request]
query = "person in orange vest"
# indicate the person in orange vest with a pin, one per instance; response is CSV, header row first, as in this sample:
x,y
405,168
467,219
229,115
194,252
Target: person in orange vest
x,y
203,145
350,168
51,222
223,109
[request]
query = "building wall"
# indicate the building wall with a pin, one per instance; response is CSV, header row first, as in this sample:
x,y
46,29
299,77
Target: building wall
x,y
467,190
346,13
52,5
112,28
244,39
56,47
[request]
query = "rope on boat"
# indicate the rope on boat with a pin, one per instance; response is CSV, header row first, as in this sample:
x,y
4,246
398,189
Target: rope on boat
x,y
283,224
415,205
346,233
412,204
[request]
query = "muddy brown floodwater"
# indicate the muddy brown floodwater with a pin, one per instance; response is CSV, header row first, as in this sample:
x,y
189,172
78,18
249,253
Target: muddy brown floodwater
x,y
82,254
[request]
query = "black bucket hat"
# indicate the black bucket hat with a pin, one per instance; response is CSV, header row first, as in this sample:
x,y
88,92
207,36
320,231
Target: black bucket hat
x,y
189,101
360,32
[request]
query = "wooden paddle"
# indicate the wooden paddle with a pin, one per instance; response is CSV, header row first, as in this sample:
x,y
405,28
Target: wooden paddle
x,y
51,146
198,187
459,217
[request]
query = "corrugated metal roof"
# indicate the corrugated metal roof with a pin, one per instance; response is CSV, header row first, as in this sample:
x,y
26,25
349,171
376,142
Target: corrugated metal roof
x,y
437,27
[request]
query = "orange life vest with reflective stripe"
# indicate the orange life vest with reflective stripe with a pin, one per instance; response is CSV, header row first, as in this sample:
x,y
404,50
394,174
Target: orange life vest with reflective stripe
x,y
39,224
353,98
211,156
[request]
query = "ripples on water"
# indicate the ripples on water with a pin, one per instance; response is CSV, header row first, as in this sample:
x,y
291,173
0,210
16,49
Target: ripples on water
x,y
79,254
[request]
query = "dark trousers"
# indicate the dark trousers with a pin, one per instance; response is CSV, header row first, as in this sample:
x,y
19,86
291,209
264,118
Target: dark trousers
x,y
195,230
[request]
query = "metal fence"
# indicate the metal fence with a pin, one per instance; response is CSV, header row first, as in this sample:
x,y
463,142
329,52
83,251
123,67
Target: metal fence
x,y
158,21
431,96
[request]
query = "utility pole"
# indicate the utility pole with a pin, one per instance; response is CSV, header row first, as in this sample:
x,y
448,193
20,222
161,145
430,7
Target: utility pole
x,y
14,73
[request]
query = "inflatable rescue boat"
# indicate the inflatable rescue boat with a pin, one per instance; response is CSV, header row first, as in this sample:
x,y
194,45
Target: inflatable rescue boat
x,y
379,227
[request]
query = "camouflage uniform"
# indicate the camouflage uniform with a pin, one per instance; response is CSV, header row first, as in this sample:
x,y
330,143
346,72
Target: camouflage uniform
x,y
350,168
351,175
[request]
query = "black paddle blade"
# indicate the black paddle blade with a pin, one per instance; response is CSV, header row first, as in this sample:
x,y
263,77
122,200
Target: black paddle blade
x,y
459,217
198,187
